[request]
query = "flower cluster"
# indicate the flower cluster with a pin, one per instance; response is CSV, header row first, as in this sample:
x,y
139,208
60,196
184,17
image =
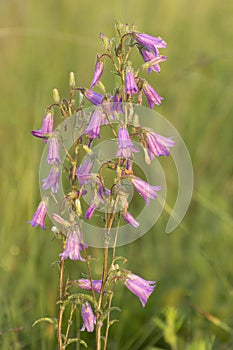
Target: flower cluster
x,y
111,111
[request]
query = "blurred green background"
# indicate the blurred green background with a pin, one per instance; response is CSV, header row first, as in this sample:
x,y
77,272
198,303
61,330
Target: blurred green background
x,y
41,42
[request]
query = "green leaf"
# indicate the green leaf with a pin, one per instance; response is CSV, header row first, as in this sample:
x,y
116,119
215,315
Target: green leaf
x,y
106,312
46,319
76,340
78,297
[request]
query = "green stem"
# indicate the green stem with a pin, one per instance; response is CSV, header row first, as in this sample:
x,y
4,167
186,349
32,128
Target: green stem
x,y
61,308
108,323
69,324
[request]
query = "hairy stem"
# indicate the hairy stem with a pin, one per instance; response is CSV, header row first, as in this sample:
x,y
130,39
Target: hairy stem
x,y
108,324
61,308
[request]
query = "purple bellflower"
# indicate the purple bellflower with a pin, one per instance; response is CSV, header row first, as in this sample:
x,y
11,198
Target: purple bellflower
x,y
53,151
129,219
74,246
85,169
148,56
157,145
40,214
151,95
85,179
125,145
52,181
93,129
149,41
89,319
93,97
47,127
144,189
140,287
99,68
130,82
117,102
86,284
99,196
91,209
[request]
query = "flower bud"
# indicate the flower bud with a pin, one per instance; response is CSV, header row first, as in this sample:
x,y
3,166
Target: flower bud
x,y
87,149
78,207
105,40
56,96
72,80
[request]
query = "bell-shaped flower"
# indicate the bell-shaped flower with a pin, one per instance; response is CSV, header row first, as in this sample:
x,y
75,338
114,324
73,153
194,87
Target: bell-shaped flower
x,y
149,41
125,145
93,97
40,214
151,95
140,287
117,102
99,68
74,245
53,151
144,189
47,127
129,219
157,145
150,56
52,181
93,129
91,209
86,284
130,82
89,319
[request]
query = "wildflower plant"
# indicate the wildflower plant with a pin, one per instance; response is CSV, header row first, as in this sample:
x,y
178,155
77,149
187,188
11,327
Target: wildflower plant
x,y
100,187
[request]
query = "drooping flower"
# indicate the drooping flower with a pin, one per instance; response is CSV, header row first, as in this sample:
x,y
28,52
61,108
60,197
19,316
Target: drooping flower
x,y
83,172
157,145
107,109
93,129
40,214
47,127
86,167
86,284
130,82
129,219
140,287
117,102
74,245
60,220
151,95
125,145
89,319
99,196
150,56
149,41
92,96
91,209
53,151
144,189
99,67
85,179
52,181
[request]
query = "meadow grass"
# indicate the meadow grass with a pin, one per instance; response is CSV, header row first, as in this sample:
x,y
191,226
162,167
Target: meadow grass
x,y
41,42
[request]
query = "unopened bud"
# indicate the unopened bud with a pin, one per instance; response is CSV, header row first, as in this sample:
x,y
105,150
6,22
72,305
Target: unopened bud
x,y
106,41
72,80
78,207
87,149
136,120
56,96
54,229
147,158
81,98
60,220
